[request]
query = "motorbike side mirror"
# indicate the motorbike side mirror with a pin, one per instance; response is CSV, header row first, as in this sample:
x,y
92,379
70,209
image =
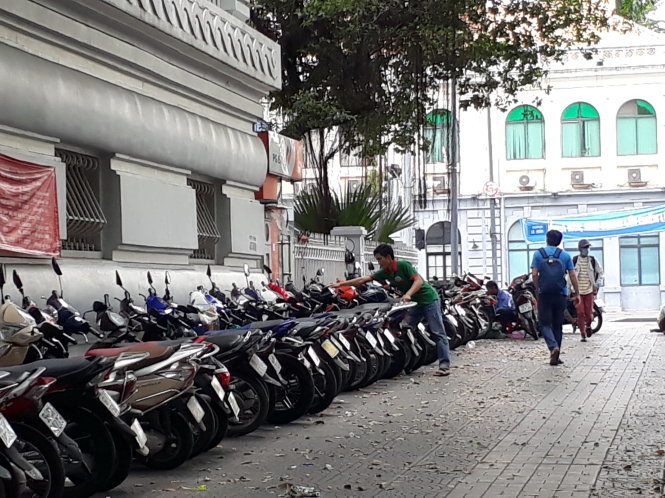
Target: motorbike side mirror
x,y
208,272
149,278
370,265
267,269
56,267
17,281
118,280
245,269
167,278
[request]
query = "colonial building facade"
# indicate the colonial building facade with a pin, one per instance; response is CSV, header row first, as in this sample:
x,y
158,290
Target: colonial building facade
x,y
145,111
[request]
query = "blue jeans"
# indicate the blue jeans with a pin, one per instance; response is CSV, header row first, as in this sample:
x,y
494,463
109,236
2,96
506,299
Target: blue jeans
x,y
432,315
550,316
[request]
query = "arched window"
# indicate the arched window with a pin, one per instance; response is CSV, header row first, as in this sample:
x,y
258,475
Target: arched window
x,y
580,131
438,250
636,129
525,133
437,134
519,253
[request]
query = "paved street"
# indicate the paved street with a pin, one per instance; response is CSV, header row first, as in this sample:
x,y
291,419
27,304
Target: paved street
x,y
504,424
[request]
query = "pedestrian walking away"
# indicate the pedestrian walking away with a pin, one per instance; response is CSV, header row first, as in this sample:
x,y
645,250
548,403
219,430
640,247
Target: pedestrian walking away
x,y
402,275
549,267
589,277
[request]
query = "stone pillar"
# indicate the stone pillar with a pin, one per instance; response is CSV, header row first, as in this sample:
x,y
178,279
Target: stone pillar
x,y
355,237
242,226
611,292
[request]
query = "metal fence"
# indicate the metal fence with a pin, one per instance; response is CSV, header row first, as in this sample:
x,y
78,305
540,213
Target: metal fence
x,y
328,253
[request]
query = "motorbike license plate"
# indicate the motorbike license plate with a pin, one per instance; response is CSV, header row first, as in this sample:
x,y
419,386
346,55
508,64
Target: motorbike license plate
x,y
389,336
410,334
461,311
381,343
275,363
524,308
7,434
336,343
195,409
344,341
234,404
371,339
53,420
108,402
330,348
139,433
315,357
217,387
258,365
305,361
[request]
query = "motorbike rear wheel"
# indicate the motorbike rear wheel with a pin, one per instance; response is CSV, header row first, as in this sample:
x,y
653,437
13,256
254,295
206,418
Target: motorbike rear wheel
x,y
41,452
254,400
293,400
597,320
325,389
124,454
178,447
96,444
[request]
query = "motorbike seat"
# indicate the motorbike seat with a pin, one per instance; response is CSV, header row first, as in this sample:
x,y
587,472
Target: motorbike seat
x,y
66,370
226,339
305,329
266,324
157,353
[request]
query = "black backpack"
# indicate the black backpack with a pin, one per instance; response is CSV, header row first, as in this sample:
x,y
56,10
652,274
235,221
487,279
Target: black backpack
x,y
552,274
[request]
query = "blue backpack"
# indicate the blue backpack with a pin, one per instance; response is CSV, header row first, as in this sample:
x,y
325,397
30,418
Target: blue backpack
x,y
552,274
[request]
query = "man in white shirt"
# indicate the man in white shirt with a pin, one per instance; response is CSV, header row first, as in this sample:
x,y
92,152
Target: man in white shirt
x,y
589,278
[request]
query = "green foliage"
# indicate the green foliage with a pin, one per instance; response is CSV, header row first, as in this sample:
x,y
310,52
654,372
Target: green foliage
x,y
359,207
636,10
372,68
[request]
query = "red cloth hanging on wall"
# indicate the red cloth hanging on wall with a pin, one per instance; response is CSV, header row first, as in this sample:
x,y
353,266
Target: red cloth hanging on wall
x,y
28,209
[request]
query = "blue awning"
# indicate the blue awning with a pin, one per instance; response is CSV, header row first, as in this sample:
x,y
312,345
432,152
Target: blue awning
x,y
596,225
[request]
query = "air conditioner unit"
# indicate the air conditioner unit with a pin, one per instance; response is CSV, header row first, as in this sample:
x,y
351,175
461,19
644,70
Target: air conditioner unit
x,y
526,182
439,185
635,178
577,180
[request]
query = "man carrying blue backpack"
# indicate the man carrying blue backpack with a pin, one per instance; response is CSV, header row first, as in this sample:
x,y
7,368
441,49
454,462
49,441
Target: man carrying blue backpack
x,y
549,267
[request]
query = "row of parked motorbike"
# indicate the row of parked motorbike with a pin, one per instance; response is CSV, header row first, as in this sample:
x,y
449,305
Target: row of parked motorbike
x,y
163,382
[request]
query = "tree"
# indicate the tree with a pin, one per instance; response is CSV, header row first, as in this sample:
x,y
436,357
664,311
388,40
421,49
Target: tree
x,y
361,74
637,10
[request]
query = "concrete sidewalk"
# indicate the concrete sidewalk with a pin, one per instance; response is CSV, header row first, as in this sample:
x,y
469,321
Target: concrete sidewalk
x,y
504,423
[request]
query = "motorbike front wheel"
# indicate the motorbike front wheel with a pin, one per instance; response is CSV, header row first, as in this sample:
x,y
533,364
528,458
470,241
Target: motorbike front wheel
x,y
43,454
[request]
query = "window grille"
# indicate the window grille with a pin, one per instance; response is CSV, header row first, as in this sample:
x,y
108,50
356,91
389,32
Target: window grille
x,y
206,223
85,218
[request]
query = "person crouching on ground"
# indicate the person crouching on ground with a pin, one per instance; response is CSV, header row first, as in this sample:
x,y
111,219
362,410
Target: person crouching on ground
x,y
402,275
504,307
549,267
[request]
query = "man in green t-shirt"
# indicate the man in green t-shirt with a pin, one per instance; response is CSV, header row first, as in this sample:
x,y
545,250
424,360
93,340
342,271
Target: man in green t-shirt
x,y
402,275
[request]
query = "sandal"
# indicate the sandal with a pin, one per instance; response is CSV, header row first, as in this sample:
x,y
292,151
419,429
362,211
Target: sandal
x,y
442,372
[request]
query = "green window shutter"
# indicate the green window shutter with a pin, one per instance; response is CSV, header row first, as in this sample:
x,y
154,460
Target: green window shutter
x,y
571,140
591,131
535,132
515,141
626,136
646,135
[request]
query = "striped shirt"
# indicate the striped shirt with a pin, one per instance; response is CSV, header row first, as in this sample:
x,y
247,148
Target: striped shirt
x,y
585,284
